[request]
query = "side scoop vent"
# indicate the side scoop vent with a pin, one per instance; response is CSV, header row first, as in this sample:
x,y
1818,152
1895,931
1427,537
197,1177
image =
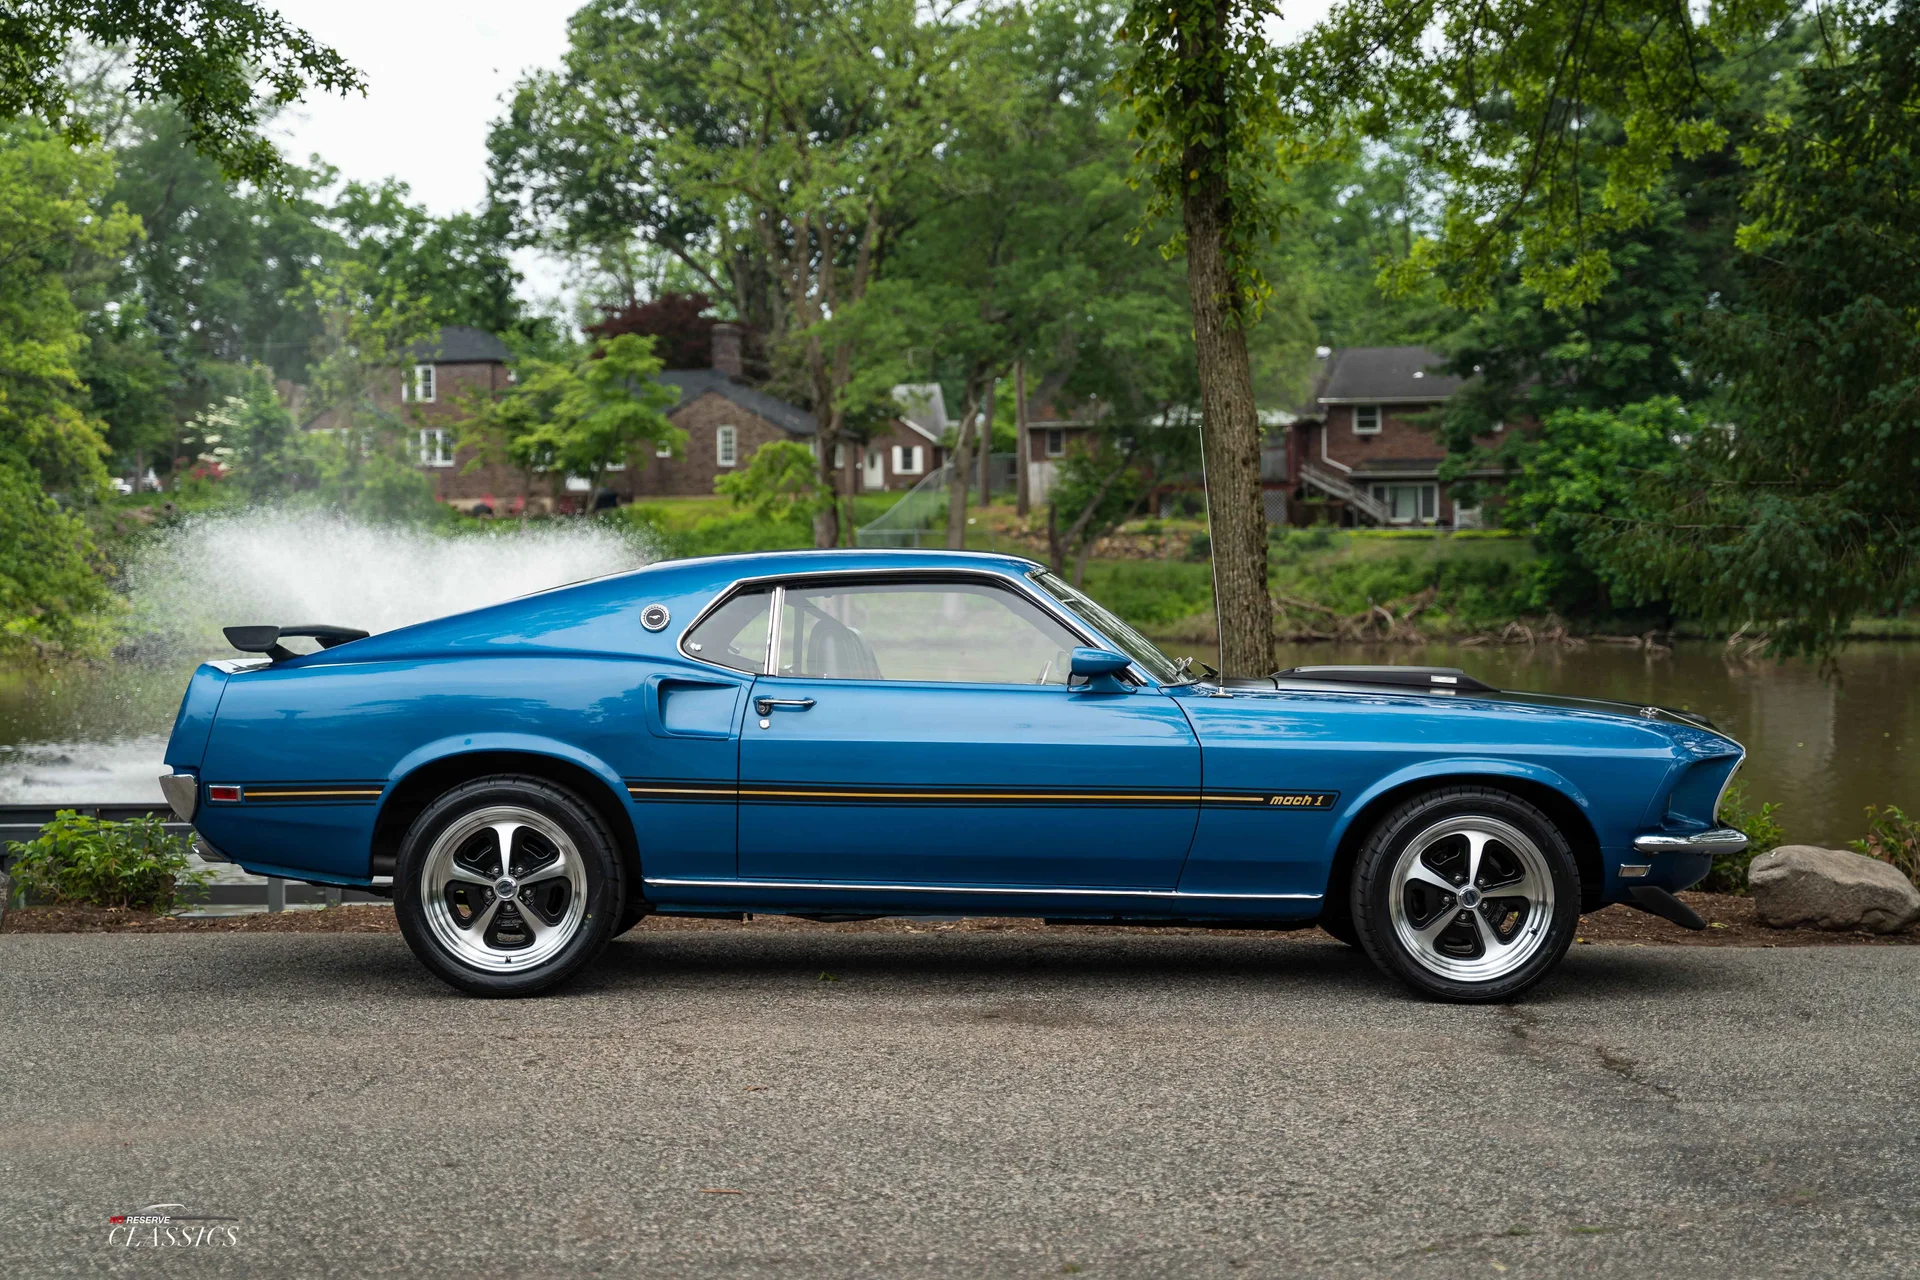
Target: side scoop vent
x,y
267,639
1431,679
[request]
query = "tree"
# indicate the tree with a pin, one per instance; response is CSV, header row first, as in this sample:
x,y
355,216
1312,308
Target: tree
x,y
1795,510
210,57
50,230
678,323
1204,87
458,266
51,589
780,482
579,416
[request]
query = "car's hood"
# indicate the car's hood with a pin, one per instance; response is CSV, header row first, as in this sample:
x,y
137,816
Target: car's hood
x,y
1638,713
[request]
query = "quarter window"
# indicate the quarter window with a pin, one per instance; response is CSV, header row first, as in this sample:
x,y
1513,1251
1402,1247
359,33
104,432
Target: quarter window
x,y
726,447
735,634
952,632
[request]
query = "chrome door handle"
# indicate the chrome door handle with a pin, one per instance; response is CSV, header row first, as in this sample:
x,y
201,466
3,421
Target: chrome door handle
x,y
765,706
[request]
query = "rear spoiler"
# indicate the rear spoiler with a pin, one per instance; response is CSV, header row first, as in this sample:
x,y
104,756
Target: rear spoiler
x,y
1436,679
267,639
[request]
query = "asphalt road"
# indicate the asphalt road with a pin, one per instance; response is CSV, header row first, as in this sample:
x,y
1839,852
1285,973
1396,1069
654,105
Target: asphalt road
x,y
999,1104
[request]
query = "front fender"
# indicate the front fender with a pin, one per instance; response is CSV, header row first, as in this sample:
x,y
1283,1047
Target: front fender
x,y
1453,767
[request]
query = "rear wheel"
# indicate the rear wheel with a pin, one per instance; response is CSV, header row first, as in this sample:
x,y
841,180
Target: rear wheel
x,y
507,885
1466,893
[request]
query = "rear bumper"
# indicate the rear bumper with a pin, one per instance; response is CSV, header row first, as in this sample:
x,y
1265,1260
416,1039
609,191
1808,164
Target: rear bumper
x,y
1720,840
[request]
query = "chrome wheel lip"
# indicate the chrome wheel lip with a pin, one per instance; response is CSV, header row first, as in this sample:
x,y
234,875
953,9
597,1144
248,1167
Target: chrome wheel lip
x,y
468,946
1491,965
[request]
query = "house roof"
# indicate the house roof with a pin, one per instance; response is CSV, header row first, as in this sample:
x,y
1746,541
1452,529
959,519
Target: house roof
x,y
461,344
694,383
925,408
1373,375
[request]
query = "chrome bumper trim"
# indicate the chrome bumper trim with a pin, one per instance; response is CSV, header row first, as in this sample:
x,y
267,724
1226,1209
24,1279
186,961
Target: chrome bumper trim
x,y
182,791
207,852
1718,840
851,887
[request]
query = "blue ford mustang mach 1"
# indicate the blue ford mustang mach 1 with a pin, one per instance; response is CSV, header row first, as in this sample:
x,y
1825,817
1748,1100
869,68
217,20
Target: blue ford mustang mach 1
x,y
856,734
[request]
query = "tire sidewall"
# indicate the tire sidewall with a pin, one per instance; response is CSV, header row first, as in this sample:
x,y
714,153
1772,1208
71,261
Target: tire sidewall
x,y
1372,889
605,896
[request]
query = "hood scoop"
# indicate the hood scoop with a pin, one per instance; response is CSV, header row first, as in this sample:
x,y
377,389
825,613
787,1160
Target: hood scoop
x,y
267,639
1429,679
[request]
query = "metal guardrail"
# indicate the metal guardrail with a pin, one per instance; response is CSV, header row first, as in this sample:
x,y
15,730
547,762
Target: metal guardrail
x,y
22,822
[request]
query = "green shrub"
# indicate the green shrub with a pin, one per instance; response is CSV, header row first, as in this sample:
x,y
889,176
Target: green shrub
x,y
1763,832
84,861
1151,593
1892,837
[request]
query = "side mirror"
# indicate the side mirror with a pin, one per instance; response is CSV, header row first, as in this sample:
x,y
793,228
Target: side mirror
x,y
1101,669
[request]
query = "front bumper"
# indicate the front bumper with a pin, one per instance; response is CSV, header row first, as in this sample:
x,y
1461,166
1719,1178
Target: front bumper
x,y
1719,840
182,791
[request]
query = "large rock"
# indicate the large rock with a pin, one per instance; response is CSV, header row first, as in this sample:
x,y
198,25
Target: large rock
x,y
1801,885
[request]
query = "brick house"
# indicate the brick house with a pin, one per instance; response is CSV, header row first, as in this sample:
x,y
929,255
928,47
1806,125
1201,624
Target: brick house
x,y
1357,449
725,417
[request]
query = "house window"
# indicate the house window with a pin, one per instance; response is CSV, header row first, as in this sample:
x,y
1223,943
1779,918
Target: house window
x,y
1366,419
908,460
726,447
1409,503
420,387
839,457
436,448
663,449
1056,443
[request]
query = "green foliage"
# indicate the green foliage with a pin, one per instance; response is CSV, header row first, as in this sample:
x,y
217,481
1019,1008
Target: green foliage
x,y
1799,514
86,861
1151,594
51,594
780,483
1505,99
1763,832
217,59
51,231
1580,466
1478,584
1893,838
1205,89
575,416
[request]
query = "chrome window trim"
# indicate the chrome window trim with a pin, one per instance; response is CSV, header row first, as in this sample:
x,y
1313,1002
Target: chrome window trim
x,y
778,581
1035,890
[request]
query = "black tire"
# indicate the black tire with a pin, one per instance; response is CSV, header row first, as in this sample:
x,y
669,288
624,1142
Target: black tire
x,y
1416,844
584,909
1336,919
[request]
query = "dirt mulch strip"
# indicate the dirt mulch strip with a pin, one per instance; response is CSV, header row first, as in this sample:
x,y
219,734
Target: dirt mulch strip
x,y
1730,923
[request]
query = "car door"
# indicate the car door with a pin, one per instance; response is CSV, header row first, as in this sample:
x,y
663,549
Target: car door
x,y
921,730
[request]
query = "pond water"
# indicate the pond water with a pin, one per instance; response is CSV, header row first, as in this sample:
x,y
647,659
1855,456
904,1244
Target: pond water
x,y
1823,748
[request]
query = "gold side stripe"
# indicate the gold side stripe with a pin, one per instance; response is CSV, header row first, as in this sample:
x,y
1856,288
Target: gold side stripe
x,y
970,795
721,790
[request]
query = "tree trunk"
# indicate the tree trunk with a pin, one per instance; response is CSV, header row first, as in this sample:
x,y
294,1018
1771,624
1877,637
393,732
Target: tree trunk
x,y
958,478
1022,482
986,444
1229,434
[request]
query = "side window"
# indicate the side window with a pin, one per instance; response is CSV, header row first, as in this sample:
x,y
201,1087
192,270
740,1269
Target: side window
x,y
735,634
960,632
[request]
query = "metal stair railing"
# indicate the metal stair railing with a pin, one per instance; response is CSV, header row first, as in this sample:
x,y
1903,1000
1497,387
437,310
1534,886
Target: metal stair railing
x,y
1354,496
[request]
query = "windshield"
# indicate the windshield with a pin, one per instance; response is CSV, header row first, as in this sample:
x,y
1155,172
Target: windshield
x,y
1131,642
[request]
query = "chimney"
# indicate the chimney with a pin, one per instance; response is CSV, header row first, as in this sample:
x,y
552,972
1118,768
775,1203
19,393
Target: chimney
x,y
726,350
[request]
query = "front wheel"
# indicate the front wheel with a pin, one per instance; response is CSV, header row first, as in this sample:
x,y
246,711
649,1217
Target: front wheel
x,y
507,886
1466,893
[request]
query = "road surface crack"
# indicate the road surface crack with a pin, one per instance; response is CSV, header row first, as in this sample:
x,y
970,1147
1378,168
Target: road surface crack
x,y
1525,1026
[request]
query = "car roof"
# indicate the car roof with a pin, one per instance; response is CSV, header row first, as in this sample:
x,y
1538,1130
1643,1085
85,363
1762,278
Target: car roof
x,y
756,564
